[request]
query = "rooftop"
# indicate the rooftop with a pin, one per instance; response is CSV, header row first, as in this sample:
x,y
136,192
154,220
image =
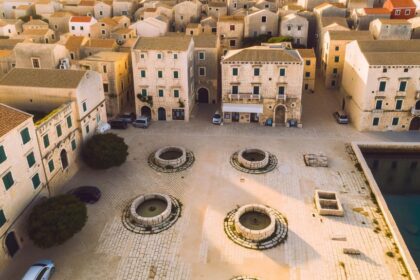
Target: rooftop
x,y
376,11
102,43
391,52
231,18
402,3
11,118
42,78
73,43
393,21
107,56
350,35
80,19
172,43
306,53
205,41
262,53
326,21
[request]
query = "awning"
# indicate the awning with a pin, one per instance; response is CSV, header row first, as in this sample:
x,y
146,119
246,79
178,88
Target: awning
x,y
243,108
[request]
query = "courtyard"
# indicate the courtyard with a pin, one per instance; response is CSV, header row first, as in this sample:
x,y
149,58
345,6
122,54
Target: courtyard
x,y
196,246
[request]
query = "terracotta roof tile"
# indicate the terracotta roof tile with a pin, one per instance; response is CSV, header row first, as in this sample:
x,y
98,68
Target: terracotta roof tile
x,y
11,118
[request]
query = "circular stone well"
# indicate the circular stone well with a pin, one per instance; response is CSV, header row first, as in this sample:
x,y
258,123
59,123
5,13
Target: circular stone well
x,y
171,159
256,226
253,158
151,213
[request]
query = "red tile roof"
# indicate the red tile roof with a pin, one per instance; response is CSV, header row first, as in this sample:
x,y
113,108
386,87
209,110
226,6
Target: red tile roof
x,y
80,19
402,3
375,11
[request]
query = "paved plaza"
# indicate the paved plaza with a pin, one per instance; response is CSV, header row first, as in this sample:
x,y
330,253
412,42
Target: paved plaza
x,y
196,247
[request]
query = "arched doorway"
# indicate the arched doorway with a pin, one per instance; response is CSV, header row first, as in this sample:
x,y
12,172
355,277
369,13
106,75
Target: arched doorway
x,y
203,95
415,123
417,107
64,159
11,243
145,111
280,115
161,114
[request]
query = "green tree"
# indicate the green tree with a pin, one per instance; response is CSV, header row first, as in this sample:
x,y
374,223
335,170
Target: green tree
x,y
56,220
103,151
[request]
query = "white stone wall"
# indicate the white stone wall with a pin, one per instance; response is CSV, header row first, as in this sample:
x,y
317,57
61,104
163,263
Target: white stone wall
x,y
299,36
77,31
390,31
186,12
255,27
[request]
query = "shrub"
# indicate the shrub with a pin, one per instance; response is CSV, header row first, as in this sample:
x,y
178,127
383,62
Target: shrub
x,y
280,39
56,220
103,151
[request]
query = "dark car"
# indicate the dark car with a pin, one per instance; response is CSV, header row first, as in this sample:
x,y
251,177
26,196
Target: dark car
x,y
86,194
118,124
128,117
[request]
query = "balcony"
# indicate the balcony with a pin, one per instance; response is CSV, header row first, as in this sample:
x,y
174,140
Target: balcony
x,y
281,97
242,96
414,111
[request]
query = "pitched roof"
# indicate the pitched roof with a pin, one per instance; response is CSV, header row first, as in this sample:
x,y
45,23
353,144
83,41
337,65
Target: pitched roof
x,y
122,31
35,22
376,11
393,21
325,21
9,43
391,52
108,21
205,41
173,43
266,54
231,18
11,118
350,35
73,43
306,53
101,43
80,19
62,14
402,3
35,32
42,78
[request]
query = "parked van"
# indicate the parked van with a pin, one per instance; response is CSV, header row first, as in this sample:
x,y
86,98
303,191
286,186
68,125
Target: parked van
x,y
142,122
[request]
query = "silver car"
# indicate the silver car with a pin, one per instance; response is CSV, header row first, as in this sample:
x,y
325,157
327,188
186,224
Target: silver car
x,y
142,122
41,270
341,117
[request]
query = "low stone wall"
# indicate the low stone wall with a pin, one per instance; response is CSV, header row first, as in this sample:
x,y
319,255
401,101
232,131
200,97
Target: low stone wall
x,y
150,221
253,164
255,235
174,163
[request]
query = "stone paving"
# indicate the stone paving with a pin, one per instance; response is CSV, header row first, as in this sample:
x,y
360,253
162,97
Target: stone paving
x,y
196,246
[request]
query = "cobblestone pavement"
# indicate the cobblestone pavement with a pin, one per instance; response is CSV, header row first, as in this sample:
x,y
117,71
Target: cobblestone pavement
x,y
196,247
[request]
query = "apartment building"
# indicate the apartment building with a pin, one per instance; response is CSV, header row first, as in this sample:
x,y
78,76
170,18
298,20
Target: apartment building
x,y
163,71
295,26
309,68
230,30
390,29
380,85
81,25
261,22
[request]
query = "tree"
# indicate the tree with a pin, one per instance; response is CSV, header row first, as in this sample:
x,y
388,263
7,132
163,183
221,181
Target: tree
x,y
280,39
103,151
56,220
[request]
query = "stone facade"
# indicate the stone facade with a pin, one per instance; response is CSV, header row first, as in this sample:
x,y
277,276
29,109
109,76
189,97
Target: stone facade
x,y
230,30
186,12
33,55
295,26
261,22
309,68
390,29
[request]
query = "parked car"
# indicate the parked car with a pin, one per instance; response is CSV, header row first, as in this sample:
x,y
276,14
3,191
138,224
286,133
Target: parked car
x,y
118,124
86,194
341,117
217,118
41,270
128,117
142,122
103,127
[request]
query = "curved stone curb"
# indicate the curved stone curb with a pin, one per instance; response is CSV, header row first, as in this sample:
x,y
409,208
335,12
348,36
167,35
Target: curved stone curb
x,y
272,163
190,160
279,235
166,224
244,278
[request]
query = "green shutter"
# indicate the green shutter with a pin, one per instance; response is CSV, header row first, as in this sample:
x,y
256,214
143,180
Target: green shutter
x,y
375,121
161,93
25,135
8,180
143,92
84,107
176,93
403,85
73,144
51,165
282,72
2,218
59,131
36,181
398,105
31,159
3,156
382,86
176,75
69,123
159,74
235,71
46,140
87,128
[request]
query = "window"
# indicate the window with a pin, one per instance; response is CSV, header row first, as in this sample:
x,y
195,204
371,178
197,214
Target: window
x,y
160,74
59,131
30,158
378,105
289,27
335,70
201,55
51,165
176,93
405,70
256,90
143,92
382,85
142,56
306,86
397,12
159,56
407,12
337,48
175,56
307,74
84,106
104,68
403,85
234,89
282,72
103,32
232,27
384,70
3,156
281,90
234,71
263,19
398,104
308,62
299,28
81,27
395,121
333,83
25,135
336,59
36,181
8,180
73,144
375,121
87,128
46,141
73,28
176,75
160,92
143,73
256,71
202,71
2,218
106,87
232,43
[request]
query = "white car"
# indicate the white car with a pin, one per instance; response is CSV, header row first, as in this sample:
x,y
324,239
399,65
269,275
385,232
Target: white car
x,y
41,270
103,127
217,118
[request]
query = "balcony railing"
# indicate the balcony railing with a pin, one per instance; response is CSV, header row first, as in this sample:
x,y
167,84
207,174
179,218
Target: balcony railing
x,y
239,96
414,111
281,97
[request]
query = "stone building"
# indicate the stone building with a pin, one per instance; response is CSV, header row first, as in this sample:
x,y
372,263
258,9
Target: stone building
x,y
235,5
102,9
151,26
325,24
22,176
295,26
230,30
261,22
43,56
10,27
163,71
186,12
401,9
309,68
81,25
114,68
206,67
59,22
390,29
334,51
363,17
93,46
216,9
380,86
262,84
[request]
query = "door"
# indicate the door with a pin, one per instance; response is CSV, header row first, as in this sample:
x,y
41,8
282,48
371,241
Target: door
x,y
11,243
64,159
254,117
280,115
161,114
178,114
415,123
145,111
235,117
203,95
